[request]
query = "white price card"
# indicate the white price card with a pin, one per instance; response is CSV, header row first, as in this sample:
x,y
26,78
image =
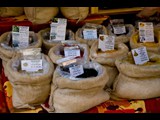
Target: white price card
x,y
106,42
146,31
72,52
76,70
58,29
140,55
31,65
119,29
20,36
90,34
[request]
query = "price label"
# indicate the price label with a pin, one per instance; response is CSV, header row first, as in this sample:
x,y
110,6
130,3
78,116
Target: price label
x,y
20,36
119,29
31,65
146,33
58,29
140,55
106,42
90,34
72,52
76,70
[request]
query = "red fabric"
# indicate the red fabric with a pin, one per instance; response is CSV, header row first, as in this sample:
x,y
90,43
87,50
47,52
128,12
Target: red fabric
x,y
6,24
3,105
152,105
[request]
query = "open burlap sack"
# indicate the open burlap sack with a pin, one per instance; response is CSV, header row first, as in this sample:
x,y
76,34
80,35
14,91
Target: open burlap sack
x,y
40,15
7,52
79,33
150,46
122,38
108,57
77,95
127,66
136,88
54,52
11,11
29,89
78,13
45,34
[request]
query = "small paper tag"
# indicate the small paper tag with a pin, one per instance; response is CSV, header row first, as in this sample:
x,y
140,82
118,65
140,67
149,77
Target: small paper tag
x,y
76,70
90,34
73,52
20,36
146,33
119,29
58,29
106,42
31,65
140,55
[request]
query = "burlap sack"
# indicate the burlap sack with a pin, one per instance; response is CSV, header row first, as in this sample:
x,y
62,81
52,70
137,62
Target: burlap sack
x,y
54,53
73,96
45,33
136,88
112,73
29,89
150,46
40,15
79,33
148,11
4,63
127,66
108,57
122,38
8,52
11,11
79,13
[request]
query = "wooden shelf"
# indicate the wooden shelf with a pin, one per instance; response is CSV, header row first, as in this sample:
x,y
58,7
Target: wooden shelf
x,y
96,10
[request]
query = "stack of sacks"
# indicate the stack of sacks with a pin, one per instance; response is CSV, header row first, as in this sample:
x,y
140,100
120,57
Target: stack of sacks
x,y
80,37
108,58
11,11
47,43
6,49
40,15
29,89
76,13
77,94
57,52
150,46
122,37
137,81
